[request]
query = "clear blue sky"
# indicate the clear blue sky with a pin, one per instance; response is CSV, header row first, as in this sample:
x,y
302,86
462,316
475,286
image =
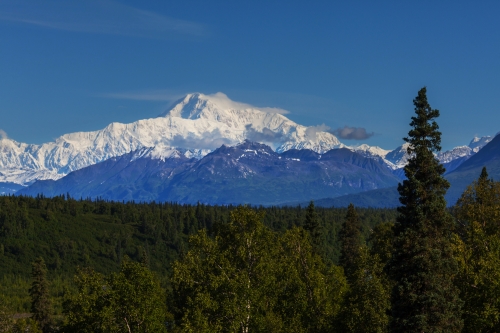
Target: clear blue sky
x,y
70,66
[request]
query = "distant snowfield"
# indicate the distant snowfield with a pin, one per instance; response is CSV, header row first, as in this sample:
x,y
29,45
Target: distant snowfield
x,y
197,124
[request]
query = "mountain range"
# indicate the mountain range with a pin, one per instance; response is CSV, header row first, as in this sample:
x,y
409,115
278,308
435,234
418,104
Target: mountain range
x,y
459,178
186,140
249,173
196,123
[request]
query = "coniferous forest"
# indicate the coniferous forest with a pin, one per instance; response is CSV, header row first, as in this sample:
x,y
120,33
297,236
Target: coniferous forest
x,y
71,265
75,236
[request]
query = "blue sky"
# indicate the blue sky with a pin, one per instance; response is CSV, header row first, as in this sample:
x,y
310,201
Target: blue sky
x,y
70,66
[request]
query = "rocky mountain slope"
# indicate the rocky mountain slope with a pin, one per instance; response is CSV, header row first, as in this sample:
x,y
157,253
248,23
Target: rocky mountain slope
x,y
245,173
459,178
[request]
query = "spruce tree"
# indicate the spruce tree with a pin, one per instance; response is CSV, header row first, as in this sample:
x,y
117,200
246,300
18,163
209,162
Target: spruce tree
x,y
313,227
350,240
41,307
424,298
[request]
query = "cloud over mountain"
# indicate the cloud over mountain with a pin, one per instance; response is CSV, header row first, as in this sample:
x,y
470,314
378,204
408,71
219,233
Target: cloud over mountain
x,y
224,102
208,140
312,131
352,133
265,136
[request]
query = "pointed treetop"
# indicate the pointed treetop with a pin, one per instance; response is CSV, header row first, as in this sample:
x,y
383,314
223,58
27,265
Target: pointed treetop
x,y
425,130
484,174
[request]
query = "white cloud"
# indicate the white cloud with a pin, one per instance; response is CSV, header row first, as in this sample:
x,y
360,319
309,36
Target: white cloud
x,y
311,131
208,140
3,134
93,16
224,102
266,135
219,99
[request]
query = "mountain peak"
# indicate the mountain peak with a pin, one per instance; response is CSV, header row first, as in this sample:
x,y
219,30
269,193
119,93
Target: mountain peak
x,y
215,107
477,143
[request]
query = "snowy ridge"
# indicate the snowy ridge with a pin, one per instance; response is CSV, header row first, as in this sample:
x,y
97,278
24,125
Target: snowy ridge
x,y
164,153
477,143
457,152
398,158
196,125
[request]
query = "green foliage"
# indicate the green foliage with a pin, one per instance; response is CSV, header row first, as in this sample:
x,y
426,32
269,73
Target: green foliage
x,y
6,321
480,203
26,325
14,293
310,292
226,284
41,307
128,301
424,298
248,278
313,226
70,233
381,240
350,239
478,254
367,302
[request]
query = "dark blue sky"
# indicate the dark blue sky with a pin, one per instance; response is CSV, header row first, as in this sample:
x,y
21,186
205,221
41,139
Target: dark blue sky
x,y
70,66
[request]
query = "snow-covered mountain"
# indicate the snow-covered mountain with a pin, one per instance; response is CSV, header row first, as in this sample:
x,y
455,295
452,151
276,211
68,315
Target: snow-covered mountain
x,y
197,124
399,157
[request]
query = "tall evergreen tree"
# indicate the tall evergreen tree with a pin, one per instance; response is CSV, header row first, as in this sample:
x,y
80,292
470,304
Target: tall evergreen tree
x,y
424,298
350,240
41,306
313,226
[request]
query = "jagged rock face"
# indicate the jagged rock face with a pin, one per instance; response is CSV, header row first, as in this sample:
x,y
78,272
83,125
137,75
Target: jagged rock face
x,y
197,123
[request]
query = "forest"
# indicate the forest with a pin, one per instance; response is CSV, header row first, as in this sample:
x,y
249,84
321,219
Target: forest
x,y
74,234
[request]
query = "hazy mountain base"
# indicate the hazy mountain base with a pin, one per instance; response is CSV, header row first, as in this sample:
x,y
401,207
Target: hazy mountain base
x,y
9,188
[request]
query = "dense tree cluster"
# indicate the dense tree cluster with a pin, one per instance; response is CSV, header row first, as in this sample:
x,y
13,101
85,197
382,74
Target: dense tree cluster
x,y
69,233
